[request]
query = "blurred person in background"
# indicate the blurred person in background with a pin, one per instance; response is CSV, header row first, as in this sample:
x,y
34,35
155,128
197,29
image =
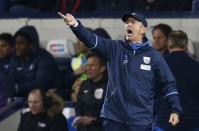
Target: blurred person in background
x,y
6,51
45,113
160,35
149,5
31,66
74,6
91,95
78,66
195,6
162,5
98,31
31,6
186,71
113,5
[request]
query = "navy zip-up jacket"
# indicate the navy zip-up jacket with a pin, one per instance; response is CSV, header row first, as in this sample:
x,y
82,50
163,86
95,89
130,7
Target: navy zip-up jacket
x,y
132,78
37,70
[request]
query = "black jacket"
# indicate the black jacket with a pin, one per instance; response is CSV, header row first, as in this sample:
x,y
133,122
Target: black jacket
x,y
89,103
186,71
42,122
37,70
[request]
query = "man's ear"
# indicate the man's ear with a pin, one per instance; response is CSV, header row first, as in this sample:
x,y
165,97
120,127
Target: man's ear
x,y
144,30
103,69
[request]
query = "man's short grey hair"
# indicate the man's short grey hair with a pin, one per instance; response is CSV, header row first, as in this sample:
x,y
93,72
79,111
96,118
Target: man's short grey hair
x,y
178,39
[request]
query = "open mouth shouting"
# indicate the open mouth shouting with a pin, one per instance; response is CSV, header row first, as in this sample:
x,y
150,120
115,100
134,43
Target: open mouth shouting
x,y
129,31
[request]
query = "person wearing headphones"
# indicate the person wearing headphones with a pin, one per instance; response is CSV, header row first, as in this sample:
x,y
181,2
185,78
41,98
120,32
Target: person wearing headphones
x,y
45,113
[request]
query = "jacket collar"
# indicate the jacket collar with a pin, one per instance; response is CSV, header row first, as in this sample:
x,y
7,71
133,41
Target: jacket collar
x,y
138,48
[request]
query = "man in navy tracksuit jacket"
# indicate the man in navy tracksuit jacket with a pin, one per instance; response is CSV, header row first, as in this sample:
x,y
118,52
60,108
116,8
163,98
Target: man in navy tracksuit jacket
x,y
134,68
31,67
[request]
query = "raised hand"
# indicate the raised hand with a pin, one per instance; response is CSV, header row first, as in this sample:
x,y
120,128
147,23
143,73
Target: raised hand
x,y
68,19
174,119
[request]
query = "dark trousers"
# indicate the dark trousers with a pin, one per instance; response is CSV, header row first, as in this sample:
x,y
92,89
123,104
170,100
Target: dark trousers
x,y
110,125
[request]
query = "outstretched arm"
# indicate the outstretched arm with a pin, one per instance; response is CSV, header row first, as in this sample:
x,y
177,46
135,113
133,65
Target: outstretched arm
x,y
91,40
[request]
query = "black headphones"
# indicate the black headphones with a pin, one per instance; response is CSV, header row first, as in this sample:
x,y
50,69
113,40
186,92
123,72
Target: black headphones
x,y
47,101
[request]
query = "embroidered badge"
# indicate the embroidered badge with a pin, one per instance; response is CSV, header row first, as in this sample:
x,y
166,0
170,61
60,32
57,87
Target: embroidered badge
x,y
85,91
146,60
98,93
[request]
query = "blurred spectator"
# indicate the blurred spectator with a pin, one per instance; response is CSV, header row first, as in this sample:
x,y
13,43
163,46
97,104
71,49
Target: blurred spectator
x,y
82,48
3,6
195,6
160,35
91,96
149,5
179,5
6,49
45,113
162,5
32,6
73,6
114,5
186,71
31,66
78,66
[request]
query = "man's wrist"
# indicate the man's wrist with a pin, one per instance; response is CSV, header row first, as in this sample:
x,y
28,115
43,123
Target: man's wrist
x,y
76,24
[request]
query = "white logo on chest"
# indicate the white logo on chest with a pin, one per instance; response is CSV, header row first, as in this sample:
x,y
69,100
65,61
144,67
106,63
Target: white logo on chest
x,y
99,93
146,60
146,65
41,124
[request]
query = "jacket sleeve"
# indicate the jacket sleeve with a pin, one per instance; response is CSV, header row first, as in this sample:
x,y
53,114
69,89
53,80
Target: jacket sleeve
x,y
169,88
92,41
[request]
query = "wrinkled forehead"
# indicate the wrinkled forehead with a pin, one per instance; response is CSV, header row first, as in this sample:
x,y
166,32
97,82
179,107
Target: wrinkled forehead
x,y
132,19
35,96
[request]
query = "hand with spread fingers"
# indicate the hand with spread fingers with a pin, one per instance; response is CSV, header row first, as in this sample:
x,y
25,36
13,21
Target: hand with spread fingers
x,y
174,119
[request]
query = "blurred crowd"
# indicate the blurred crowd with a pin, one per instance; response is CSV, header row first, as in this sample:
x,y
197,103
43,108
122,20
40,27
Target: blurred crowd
x,y
30,72
73,6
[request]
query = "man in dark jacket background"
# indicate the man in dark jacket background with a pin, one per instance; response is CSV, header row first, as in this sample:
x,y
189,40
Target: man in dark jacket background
x,y
186,71
91,95
134,68
31,66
